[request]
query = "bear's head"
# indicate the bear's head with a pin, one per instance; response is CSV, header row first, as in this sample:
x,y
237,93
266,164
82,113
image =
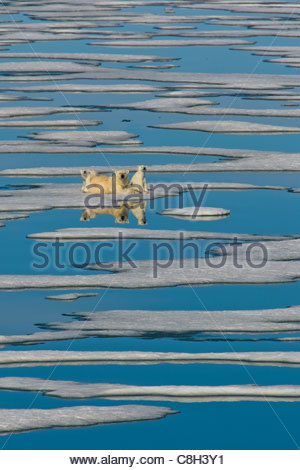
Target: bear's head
x,y
122,177
142,168
88,174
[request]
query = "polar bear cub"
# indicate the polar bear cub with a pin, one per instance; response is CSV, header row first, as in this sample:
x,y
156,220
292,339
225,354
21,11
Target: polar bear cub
x,y
94,183
139,180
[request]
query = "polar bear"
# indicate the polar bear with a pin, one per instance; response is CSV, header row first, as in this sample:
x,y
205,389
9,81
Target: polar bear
x,y
119,213
95,184
139,181
139,211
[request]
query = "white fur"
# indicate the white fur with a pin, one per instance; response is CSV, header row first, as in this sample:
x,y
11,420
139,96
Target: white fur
x,y
139,180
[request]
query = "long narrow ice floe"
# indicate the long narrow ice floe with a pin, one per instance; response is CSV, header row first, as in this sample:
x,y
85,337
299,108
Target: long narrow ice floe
x,y
154,43
86,56
67,123
274,250
4,216
170,323
103,233
20,420
6,97
61,357
200,107
41,111
43,66
230,127
88,88
72,296
176,393
244,160
49,195
149,274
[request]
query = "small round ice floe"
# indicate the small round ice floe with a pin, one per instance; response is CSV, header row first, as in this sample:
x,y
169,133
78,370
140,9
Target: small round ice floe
x,y
196,213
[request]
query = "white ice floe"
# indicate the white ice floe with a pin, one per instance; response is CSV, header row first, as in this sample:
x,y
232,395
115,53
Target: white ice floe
x,y
275,250
67,123
84,56
179,393
88,88
263,162
43,67
25,147
6,97
245,159
103,233
71,296
143,322
253,7
161,66
147,274
186,94
50,195
237,82
199,107
277,97
42,77
217,111
174,27
163,104
230,127
67,357
195,212
154,43
24,37
99,137
39,147
23,111
170,323
20,420
230,33
5,216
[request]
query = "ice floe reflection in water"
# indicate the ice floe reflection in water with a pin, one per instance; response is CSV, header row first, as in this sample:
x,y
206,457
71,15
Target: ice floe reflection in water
x,y
214,113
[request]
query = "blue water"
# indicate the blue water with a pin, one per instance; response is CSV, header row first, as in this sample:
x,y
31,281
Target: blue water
x,y
215,425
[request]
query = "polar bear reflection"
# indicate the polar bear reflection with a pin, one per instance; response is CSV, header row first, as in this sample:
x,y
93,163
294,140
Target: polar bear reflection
x,y
121,214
